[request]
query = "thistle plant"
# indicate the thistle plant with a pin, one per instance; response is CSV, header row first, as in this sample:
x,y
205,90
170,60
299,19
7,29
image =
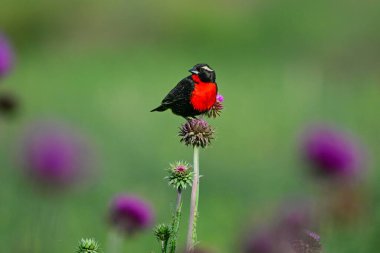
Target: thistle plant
x,y
199,134
337,159
88,246
180,176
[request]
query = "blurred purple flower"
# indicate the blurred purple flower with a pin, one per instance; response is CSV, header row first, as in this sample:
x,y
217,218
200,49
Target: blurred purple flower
x,y
6,56
53,155
260,241
306,242
219,98
288,232
331,153
294,217
130,214
271,240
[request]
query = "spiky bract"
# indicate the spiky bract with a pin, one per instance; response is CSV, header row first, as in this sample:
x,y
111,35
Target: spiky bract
x,y
162,232
215,110
88,245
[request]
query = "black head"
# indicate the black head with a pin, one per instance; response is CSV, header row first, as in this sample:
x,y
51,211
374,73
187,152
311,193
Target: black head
x,y
205,72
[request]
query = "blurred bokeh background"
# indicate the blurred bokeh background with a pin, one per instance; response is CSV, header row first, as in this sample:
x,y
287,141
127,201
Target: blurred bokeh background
x,y
101,66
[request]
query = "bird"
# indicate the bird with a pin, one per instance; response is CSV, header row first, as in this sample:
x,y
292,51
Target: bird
x,y
194,95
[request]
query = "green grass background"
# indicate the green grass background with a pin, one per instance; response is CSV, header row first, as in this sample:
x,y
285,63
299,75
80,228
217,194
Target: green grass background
x,y
102,65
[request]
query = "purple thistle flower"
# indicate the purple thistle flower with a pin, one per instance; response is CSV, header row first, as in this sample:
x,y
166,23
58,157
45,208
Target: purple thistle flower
x,y
130,214
219,98
180,168
217,108
53,155
6,56
331,153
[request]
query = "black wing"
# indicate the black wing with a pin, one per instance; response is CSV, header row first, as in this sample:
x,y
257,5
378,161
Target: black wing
x,y
181,91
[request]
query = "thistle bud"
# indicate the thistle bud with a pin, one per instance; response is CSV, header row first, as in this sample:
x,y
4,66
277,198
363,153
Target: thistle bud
x,y
180,175
162,232
196,133
88,246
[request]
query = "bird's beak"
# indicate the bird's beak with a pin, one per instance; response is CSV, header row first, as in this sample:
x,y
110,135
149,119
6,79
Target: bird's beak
x,y
194,71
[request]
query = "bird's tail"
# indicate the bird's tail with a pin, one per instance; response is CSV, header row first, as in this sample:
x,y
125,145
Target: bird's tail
x,y
161,108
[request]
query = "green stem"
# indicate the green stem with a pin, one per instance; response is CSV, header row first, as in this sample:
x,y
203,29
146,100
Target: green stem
x,y
176,222
164,245
192,232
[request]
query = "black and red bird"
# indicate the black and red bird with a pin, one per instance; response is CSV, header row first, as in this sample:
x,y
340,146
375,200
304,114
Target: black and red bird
x,y
193,95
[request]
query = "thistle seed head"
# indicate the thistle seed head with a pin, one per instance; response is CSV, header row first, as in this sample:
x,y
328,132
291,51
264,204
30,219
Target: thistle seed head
x,y
196,133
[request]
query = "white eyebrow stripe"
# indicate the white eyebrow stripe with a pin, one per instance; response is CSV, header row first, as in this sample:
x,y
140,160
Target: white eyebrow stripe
x,y
207,68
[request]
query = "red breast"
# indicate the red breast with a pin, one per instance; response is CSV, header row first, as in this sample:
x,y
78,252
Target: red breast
x,y
203,96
